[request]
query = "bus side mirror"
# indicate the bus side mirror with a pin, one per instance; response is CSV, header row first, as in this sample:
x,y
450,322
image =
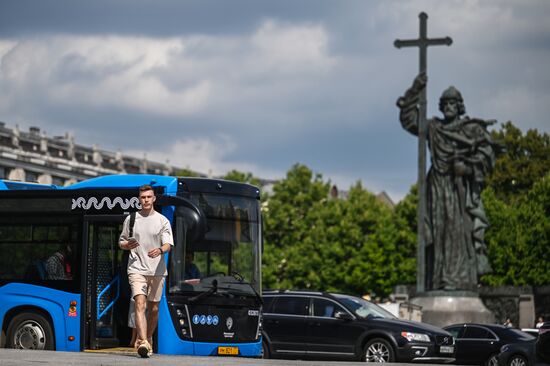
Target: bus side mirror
x,y
193,217
195,223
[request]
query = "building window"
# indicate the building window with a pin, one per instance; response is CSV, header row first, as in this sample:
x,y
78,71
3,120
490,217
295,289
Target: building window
x,y
31,177
58,181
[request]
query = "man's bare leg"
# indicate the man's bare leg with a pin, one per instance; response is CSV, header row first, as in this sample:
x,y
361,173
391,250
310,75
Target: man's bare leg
x,y
152,319
141,320
134,338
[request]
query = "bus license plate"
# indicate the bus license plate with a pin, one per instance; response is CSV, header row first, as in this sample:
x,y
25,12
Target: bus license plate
x,y
233,351
446,349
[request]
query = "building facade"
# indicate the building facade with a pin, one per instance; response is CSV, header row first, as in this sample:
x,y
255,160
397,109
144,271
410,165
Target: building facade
x,y
31,156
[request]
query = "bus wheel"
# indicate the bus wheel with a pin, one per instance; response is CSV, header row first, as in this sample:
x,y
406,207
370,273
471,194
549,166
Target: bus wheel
x,y
30,331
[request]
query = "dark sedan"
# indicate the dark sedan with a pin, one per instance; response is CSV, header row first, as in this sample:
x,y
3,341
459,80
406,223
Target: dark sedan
x,y
517,354
320,325
528,353
480,344
543,343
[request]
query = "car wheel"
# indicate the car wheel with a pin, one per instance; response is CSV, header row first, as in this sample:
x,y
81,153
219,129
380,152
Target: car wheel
x,y
517,360
265,349
30,330
492,361
379,350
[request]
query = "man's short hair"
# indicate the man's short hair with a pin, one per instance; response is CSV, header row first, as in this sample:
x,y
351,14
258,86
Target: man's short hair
x,y
145,187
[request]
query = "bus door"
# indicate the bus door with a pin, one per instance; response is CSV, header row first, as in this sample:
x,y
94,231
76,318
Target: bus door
x,y
106,284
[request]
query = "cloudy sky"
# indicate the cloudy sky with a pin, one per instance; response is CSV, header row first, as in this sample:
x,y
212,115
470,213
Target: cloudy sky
x,y
258,85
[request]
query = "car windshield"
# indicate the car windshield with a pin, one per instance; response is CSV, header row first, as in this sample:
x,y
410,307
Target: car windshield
x,y
363,308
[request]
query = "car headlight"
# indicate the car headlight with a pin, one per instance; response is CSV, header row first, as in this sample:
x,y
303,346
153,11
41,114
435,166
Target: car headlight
x,y
417,337
504,348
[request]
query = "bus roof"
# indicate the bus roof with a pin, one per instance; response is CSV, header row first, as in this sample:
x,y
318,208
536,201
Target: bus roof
x,y
10,185
170,185
127,181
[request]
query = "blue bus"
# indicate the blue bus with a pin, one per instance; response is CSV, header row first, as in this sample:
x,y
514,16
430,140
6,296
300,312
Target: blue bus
x,y
86,308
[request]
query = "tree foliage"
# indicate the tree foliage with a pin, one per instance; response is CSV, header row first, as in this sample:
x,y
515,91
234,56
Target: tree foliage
x,y
238,176
354,245
186,173
519,237
525,160
517,202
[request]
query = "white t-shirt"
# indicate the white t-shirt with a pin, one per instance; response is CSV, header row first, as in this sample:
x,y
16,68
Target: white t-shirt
x,y
151,232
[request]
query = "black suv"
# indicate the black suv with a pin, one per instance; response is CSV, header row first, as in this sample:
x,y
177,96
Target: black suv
x,y
302,324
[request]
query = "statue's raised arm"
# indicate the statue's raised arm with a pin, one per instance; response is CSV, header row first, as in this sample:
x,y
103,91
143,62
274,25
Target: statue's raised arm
x,y
408,104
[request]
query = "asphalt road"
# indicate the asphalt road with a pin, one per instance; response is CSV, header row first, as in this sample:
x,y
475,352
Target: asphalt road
x,y
11,357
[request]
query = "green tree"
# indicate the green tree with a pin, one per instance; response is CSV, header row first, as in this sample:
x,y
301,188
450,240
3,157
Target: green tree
x,y
525,160
353,245
519,236
186,173
406,210
386,256
238,176
287,224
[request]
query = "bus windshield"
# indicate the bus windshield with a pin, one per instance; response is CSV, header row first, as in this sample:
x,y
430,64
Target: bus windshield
x,y
227,257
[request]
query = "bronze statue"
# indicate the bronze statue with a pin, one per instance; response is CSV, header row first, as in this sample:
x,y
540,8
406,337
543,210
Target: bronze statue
x,y
462,154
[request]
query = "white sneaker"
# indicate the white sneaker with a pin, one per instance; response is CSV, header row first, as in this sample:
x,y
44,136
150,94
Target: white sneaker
x,y
144,350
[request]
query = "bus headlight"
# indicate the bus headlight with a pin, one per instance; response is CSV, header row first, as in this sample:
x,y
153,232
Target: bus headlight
x,y
180,320
259,334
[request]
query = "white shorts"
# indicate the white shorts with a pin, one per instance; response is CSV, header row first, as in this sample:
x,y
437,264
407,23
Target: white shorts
x,y
150,286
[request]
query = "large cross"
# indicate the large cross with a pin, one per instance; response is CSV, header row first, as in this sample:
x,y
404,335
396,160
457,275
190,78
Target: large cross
x,y
422,43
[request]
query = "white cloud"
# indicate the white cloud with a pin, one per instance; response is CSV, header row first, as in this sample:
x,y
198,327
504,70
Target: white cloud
x,y
6,46
96,71
291,48
171,76
205,155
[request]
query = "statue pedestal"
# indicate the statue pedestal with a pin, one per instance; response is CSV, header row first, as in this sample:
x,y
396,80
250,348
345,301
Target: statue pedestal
x,y
442,308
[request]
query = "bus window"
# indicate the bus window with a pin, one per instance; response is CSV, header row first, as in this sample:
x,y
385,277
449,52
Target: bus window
x,y
41,249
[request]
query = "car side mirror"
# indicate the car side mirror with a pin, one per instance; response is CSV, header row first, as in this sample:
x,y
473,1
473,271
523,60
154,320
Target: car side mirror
x,y
342,315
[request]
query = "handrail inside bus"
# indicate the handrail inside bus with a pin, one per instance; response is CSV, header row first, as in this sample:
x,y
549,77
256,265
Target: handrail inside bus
x,y
117,280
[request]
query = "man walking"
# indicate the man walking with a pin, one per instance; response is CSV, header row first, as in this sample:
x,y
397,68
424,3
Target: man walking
x,y
152,237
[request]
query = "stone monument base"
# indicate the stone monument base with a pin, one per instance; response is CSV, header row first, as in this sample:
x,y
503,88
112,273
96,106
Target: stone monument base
x,y
442,308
